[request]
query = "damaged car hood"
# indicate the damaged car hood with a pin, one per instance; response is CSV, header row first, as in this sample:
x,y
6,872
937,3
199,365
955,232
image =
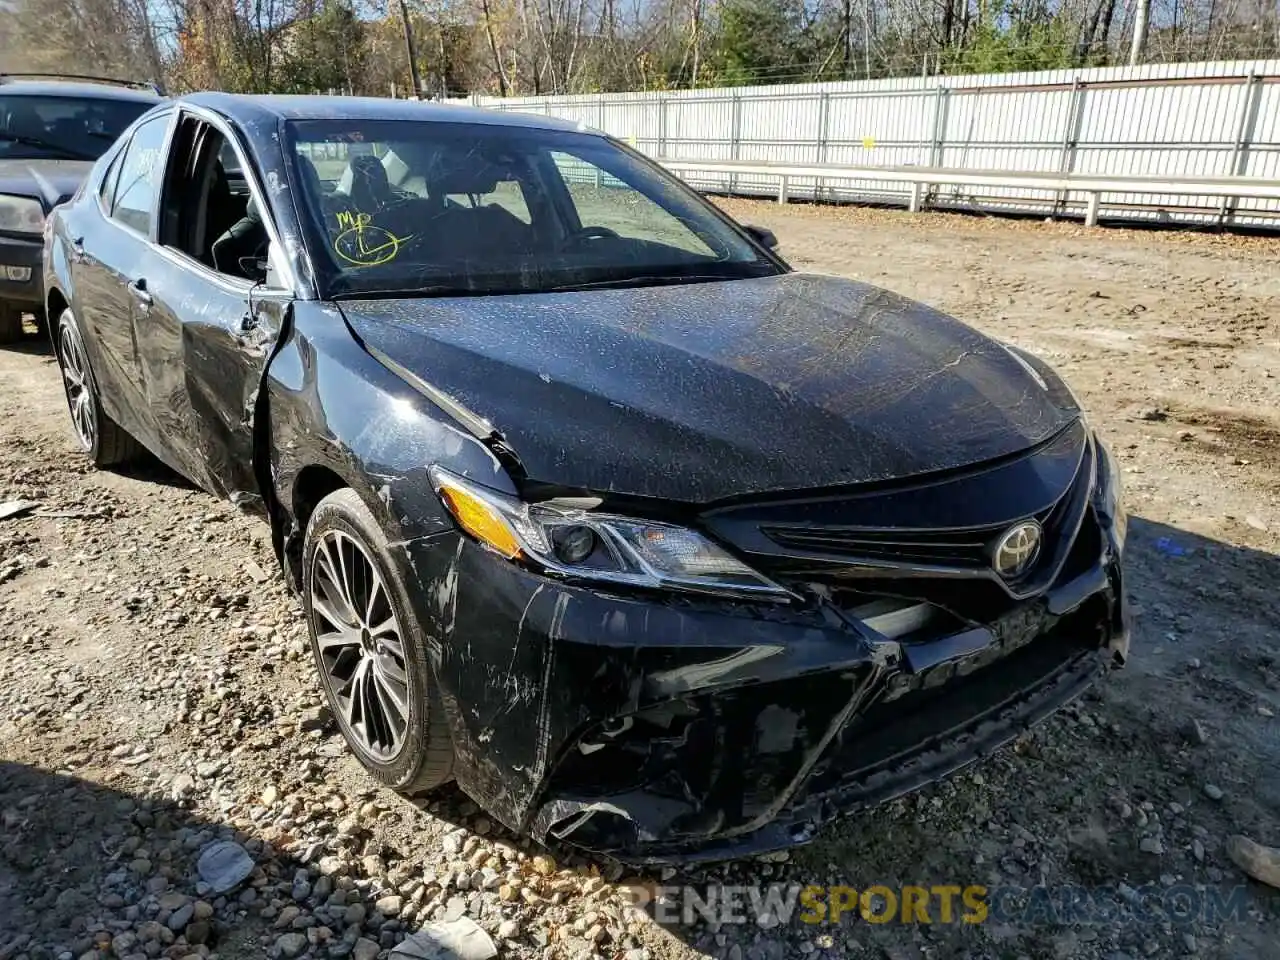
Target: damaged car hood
x,y
696,392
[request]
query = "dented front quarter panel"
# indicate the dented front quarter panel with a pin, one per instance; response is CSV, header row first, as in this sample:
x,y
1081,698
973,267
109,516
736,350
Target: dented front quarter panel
x,y
335,407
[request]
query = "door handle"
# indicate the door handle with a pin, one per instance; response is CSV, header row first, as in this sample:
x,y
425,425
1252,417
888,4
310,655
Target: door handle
x,y
77,249
139,290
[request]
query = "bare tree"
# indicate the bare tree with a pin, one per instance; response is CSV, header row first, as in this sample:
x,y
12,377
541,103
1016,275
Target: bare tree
x,y
410,51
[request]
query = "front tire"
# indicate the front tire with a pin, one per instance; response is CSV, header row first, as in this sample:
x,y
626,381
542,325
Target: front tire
x,y
104,440
368,649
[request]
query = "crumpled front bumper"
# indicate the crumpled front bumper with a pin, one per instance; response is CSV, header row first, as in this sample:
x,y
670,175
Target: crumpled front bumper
x,y
663,729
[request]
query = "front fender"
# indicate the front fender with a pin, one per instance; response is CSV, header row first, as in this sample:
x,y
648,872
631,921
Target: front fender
x,y
334,406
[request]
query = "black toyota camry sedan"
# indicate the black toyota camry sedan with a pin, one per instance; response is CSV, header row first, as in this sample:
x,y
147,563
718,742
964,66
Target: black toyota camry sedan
x,y
654,545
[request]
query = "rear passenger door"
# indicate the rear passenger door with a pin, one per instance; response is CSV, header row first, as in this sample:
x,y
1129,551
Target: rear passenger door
x,y
215,310
114,245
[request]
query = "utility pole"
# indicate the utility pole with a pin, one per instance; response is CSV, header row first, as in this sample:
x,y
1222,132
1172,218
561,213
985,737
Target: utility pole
x,y
414,79
1139,32
444,66
697,39
847,58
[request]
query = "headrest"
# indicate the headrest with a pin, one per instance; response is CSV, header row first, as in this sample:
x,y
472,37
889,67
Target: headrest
x,y
370,170
307,169
370,186
465,174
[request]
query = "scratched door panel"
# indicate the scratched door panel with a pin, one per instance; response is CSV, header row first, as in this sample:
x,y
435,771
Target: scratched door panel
x,y
104,310
204,352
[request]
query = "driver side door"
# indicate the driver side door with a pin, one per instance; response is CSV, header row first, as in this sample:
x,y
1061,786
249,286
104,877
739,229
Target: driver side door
x,y
212,317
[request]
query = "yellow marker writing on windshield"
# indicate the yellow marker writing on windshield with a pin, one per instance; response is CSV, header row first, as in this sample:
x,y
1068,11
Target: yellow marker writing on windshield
x,y
362,243
348,219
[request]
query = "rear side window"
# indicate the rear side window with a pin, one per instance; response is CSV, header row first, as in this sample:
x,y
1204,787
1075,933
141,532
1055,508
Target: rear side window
x,y
107,191
139,177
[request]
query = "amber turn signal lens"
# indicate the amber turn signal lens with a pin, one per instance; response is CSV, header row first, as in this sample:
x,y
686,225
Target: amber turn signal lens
x,y
480,520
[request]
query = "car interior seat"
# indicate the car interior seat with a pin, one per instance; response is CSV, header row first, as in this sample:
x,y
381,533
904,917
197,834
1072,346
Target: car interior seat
x,y
463,231
325,203
222,209
370,187
310,176
247,237
68,131
23,120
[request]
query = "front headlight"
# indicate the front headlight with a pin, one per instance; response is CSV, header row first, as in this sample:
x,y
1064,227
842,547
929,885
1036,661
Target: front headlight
x,y
21,214
575,542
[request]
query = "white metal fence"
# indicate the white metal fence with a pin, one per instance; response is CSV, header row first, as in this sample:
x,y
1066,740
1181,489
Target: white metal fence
x,y
1169,120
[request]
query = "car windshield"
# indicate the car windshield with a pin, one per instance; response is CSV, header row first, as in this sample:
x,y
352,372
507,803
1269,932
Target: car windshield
x,y
62,128
421,208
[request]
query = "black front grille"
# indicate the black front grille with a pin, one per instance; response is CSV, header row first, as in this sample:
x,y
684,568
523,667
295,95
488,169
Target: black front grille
x,y
849,557
944,548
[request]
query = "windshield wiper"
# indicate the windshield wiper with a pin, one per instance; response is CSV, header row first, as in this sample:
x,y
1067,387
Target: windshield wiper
x,y
446,290
68,153
408,293
643,281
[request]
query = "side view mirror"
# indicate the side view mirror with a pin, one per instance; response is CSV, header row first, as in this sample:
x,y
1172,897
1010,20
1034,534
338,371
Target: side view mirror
x,y
762,235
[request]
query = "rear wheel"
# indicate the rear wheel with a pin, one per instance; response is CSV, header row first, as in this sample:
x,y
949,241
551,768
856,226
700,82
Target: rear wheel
x,y
368,648
101,437
10,323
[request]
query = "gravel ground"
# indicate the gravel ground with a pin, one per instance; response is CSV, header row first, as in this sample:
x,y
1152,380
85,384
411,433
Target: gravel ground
x,y
156,693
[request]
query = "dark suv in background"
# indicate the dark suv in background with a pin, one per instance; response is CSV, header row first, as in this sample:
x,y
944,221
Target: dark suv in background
x,y
52,129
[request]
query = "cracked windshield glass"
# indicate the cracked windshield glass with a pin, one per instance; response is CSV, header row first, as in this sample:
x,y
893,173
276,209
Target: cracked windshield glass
x,y
401,207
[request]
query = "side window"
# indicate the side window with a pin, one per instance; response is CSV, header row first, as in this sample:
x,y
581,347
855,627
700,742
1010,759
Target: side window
x,y
209,211
139,178
107,189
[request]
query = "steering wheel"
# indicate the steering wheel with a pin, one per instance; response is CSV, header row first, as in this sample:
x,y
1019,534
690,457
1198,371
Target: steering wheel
x,y
589,233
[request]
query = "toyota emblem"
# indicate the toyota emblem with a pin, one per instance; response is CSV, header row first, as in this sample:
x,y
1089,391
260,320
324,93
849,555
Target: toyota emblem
x,y
1017,549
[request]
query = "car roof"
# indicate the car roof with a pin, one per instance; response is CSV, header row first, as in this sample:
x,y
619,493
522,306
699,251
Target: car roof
x,y
75,88
247,108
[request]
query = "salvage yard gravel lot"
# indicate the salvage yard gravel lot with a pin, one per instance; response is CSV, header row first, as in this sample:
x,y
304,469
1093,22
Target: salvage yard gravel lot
x,y
157,694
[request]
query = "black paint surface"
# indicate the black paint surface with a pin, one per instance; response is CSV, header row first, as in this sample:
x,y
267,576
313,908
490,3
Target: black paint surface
x,y
711,390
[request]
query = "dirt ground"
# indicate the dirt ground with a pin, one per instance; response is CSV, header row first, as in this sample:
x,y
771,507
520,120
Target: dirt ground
x,y
156,693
